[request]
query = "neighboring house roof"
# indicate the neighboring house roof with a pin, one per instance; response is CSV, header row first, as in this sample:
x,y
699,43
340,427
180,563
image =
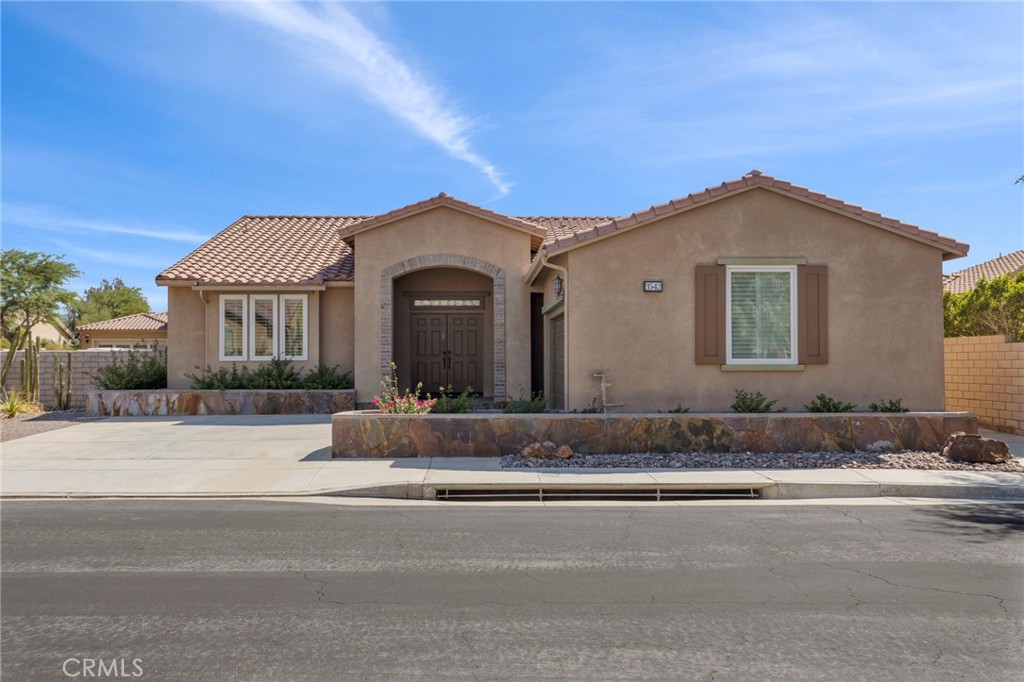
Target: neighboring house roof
x,y
284,251
962,281
139,322
52,329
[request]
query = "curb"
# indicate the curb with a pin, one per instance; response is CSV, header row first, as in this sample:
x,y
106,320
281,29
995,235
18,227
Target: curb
x,y
421,491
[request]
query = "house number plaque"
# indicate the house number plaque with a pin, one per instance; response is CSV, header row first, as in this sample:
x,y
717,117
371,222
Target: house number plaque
x,y
654,285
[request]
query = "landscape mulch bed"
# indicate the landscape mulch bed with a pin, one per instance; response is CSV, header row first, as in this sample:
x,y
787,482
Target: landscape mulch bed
x,y
747,460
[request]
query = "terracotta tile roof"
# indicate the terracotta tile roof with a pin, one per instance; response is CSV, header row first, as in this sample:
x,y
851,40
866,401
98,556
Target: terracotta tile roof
x,y
559,227
964,280
311,250
297,250
137,322
751,180
272,250
442,199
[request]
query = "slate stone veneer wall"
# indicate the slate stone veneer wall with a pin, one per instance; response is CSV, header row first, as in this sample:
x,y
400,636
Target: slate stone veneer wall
x,y
184,403
371,434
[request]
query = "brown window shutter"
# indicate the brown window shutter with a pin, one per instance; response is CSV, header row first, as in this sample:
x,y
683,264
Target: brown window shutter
x,y
710,322
812,314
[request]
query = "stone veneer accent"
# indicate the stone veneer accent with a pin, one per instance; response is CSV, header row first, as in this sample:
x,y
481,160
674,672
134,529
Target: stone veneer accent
x,y
985,375
372,434
189,402
440,260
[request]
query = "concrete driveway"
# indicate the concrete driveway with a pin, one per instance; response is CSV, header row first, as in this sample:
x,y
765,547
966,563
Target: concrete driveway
x,y
231,455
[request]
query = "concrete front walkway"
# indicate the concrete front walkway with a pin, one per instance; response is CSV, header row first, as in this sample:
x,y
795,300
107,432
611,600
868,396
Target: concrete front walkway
x,y
290,455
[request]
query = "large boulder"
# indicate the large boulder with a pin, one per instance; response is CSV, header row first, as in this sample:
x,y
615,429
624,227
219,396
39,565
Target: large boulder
x,y
546,450
970,447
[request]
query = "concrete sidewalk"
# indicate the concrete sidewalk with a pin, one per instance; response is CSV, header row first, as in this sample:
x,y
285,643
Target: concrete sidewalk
x,y
290,455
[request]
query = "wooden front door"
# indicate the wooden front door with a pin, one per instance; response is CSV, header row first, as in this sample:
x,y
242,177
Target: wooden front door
x,y
447,350
558,362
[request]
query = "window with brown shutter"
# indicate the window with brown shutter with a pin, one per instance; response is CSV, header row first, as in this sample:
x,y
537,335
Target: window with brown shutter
x,y
712,310
710,322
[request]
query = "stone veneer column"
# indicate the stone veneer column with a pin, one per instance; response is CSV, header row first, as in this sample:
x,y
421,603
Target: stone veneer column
x,y
437,260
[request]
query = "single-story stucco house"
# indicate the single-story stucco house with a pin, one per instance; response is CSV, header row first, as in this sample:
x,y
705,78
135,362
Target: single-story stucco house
x,y
755,284
141,330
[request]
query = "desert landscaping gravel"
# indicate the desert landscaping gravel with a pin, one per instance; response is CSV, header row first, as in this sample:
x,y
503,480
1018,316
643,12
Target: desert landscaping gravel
x,y
750,460
30,425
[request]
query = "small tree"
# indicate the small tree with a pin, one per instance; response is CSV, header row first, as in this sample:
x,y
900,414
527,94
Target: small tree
x,y
33,286
994,306
107,301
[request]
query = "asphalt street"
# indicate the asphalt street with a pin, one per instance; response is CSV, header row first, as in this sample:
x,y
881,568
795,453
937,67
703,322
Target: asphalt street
x,y
272,590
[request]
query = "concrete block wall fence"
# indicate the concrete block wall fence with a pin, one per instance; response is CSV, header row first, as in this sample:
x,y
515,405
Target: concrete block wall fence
x,y
985,375
84,365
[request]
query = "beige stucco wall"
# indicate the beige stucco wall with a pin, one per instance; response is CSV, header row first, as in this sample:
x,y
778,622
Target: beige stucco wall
x,y
440,231
885,309
193,334
337,329
186,335
985,375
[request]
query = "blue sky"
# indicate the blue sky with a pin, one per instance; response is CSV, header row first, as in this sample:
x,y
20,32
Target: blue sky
x,y
132,131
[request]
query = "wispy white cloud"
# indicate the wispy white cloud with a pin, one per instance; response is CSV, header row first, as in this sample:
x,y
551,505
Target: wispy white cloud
x,y
337,42
130,260
38,218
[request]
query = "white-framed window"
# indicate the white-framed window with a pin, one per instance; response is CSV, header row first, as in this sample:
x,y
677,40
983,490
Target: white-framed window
x,y
263,326
233,327
294,326
761,320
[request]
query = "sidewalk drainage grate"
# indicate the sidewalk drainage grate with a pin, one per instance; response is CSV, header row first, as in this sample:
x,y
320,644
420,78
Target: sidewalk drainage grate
x,y
567,494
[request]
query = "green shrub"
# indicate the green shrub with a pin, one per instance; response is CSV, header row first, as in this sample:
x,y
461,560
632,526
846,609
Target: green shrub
x,y
753,402
14,404
823,403
137,372
679,409
449,403
221,379
993,306
535,404
894,405
327,378
274,375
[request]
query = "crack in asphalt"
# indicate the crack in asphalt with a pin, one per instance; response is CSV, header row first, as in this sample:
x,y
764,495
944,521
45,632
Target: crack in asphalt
x,y
999,600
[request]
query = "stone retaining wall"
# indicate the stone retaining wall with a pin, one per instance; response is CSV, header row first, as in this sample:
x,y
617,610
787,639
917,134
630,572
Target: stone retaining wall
x,y
985,375
84,365
371,434
188,402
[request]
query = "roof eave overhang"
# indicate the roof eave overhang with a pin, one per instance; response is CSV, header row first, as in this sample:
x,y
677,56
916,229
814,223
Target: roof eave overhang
x,y
536,232
536,266
607,230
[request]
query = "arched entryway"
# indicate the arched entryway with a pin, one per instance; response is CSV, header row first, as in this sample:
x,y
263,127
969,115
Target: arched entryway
x,y
443,322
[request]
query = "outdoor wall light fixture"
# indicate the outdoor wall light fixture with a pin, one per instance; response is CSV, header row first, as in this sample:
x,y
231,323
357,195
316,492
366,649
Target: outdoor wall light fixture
x,y
559,286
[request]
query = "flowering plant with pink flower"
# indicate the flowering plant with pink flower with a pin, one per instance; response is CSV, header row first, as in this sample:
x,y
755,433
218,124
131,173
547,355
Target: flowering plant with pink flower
x,y
394,401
